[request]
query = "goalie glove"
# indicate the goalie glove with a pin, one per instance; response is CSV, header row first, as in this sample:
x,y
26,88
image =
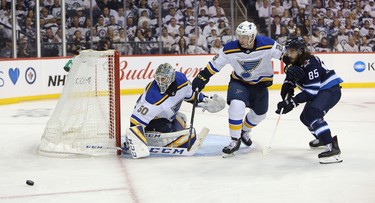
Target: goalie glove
x,y
212,104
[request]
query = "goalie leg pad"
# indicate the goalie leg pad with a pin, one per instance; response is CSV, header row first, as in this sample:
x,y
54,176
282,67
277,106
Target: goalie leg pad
x,y
137,142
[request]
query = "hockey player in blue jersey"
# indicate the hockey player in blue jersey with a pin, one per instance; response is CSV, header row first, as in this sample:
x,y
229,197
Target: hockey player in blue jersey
x,y
321,91
250,57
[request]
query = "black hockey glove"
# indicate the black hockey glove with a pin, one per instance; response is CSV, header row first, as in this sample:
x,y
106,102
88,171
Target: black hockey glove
x,y
294,72
287,105
201,80
287,89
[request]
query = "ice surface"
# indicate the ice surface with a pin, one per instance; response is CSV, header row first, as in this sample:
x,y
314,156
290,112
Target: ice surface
x,y
291,173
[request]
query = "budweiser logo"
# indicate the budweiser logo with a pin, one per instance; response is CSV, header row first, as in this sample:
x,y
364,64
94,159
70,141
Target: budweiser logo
x,y
146,72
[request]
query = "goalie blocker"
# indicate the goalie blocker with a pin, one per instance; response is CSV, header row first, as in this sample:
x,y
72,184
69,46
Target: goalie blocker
x,y
140,144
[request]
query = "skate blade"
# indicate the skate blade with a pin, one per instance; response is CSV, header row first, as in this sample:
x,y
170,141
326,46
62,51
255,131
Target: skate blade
x,y
228,155
330,160
316,148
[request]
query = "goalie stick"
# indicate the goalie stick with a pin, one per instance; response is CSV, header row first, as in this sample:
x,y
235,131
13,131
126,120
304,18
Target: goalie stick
x,y
195,102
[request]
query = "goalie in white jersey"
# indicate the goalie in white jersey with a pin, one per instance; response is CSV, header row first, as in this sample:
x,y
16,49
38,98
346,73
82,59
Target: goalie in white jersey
x,y
250,57
157,109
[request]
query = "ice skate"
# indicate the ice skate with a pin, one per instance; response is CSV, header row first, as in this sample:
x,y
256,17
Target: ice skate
x,y
316,143
230,150
332,154
245,138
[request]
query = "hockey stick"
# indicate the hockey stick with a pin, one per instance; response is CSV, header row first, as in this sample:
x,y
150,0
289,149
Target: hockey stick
x,y
266,151
195,102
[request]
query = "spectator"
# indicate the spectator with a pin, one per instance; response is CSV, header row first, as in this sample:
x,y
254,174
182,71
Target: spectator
x,y
7,50
263,11
356,36
113,25
323,46
226,35
153,44
212,11
207,29
102,29
286,17
275,27
342,37
332,7
202,5
203,18
365,29
193,49
294,10
370,8
283,37
49,20
120,45
212,37
220,16
364,47
173,14
364,17
23,51
169,45
28,27
279,9
173,28
334,29
351,46
168,4
346,11
119,16
49,49
371,37
181,34
181,47
337,47
216,46
291,26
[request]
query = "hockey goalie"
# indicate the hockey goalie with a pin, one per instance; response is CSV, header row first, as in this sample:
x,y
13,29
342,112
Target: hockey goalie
x,y
157,126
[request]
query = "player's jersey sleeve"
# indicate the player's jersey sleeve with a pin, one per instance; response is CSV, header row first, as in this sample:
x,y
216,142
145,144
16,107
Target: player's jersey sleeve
x,y
277,51
146,108
221,59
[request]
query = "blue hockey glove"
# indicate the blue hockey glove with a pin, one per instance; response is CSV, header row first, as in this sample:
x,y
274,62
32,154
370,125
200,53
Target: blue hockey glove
x,y
287,89
287,105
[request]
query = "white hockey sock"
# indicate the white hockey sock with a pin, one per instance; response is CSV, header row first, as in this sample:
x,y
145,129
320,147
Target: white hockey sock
x,y
236,113
252,119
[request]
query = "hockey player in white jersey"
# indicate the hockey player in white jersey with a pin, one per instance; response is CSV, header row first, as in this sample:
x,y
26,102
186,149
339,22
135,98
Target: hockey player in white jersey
x,y
157,109
250,57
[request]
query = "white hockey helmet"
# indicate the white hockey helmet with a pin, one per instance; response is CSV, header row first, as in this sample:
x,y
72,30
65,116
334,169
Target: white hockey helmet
x,y
164,76
247,29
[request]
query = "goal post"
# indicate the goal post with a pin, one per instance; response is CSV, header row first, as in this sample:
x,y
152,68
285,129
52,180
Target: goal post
x,y
86,119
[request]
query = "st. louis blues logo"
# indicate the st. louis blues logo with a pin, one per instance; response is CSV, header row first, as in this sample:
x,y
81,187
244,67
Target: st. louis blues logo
x,y
248,67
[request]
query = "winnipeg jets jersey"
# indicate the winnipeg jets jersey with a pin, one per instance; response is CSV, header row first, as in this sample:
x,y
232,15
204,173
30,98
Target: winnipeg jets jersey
x,y
151,104
317,78
249,65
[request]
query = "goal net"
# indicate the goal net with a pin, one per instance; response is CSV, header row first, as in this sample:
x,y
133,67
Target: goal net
x,y
86,119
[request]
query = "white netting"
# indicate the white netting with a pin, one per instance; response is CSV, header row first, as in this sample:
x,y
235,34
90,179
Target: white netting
x,y
84,120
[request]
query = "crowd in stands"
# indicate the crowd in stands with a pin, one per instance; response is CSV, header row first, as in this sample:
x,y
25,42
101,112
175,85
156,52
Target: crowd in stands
x,y
335,26
141,30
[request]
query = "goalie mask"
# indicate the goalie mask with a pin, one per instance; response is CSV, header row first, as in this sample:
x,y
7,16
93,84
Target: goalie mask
x,y
164,76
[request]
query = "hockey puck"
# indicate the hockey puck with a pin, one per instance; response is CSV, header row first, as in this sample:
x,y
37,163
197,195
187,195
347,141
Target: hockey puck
x,y
30,182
